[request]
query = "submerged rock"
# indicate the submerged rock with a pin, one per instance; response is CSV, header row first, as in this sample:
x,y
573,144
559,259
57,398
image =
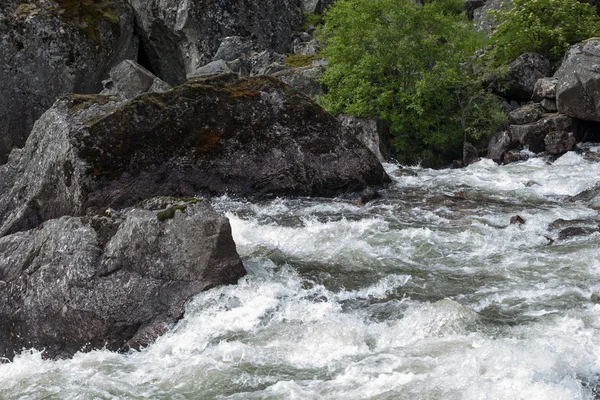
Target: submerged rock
x,y
48,49
113,279
245,137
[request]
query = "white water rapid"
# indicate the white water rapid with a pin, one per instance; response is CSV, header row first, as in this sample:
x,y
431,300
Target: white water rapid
x,y
425,293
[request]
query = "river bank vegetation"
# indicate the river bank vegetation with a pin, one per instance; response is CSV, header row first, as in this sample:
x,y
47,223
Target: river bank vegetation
x,y
421,69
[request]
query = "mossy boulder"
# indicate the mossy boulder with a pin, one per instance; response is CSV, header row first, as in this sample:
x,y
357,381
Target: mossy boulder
x,y
50,48
225,135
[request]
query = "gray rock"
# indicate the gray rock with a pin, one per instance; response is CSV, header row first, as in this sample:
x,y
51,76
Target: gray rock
x,y
470,154
528,113
116,279
549,105
524,73
498,145
365,130
513,156
310,47
246,137
472,5
304,80
129,79
179,36
483,20
218,67
545,88
530,135
559,142
46,51
266,62
315,6
578,88
232,48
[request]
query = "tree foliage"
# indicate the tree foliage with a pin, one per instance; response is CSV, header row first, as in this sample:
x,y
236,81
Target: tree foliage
x,y
546,27
407,65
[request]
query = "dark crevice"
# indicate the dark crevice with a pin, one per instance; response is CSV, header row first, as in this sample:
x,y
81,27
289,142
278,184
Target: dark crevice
x,y
590,131
144,60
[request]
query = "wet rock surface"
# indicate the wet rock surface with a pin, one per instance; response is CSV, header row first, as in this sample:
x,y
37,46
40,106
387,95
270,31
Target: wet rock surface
x,y
114,279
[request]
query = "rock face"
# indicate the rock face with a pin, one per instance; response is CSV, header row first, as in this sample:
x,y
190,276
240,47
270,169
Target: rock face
x,y
122,280
180,36
48,49
578,87
247,137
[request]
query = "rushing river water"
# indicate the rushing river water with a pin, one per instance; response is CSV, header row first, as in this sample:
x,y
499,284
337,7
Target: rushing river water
x,y
425,293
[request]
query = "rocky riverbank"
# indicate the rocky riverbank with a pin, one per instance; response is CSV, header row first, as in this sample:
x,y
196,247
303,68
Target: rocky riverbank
x,y
104,231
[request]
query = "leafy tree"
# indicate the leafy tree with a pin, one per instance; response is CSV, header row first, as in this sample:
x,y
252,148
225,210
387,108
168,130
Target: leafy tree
x,y
546,27
405,64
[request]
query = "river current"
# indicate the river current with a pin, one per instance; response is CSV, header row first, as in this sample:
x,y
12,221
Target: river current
x,y
425,293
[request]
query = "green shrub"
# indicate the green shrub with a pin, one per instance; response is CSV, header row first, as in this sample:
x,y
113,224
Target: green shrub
x,y
406,65
547,27
312,19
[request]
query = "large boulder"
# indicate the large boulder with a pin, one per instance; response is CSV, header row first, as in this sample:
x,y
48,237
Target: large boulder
x,y
244,137
523,74
578,87
48,49
115,279
180,36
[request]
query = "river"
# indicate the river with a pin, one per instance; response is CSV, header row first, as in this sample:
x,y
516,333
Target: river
x,y
425,293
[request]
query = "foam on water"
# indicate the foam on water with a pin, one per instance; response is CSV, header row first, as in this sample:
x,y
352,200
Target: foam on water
x,y
401,298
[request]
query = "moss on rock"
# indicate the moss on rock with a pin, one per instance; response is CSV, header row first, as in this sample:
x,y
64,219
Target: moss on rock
x,y
169,213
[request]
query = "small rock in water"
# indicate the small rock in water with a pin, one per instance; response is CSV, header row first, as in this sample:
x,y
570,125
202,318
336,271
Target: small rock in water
x,y
517,220
367,195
